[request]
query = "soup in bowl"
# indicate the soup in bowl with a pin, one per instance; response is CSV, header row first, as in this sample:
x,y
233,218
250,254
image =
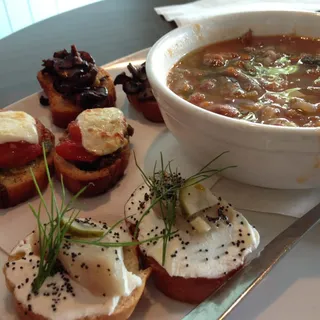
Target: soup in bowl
x,y
247,83
262,79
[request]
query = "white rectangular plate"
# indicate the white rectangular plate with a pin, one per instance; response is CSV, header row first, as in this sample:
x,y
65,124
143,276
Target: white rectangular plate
x,y
148,141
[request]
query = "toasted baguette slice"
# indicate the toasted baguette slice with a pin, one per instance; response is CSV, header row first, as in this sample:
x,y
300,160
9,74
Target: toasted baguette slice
x,y
100,181
64,111
149,108
125,306
16,185
189,290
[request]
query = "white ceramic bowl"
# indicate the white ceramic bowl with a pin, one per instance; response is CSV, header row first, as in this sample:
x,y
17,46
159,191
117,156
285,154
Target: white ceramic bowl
x,y
265,155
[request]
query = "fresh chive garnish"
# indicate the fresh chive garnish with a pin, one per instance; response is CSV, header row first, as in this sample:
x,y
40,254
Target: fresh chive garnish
x,y
164,185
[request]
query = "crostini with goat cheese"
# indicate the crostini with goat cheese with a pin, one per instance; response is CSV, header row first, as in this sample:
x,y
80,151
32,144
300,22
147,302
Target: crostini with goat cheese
x,y
95,151
204,239
74,268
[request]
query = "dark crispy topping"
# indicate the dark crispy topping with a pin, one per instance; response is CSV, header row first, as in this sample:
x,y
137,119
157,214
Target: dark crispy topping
x,y
310,60
75,76
100,163
44,101
136,84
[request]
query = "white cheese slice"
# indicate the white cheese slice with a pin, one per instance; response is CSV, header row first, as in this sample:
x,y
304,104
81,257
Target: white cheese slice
x,y
89,264
64,296
103,130
17,126
191,254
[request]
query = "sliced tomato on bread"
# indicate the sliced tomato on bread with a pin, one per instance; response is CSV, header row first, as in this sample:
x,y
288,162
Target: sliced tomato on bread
x,y
18,154
74,151
71,148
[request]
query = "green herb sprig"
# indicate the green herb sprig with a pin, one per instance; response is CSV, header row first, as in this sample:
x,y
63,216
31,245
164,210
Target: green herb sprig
x,y
52,234
164,185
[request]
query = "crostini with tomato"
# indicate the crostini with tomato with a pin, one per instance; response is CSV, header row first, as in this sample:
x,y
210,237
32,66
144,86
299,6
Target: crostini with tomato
x,y
94,152
139,93
22,139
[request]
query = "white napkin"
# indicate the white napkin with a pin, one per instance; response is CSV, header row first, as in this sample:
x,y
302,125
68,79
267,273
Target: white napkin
x,y
203,9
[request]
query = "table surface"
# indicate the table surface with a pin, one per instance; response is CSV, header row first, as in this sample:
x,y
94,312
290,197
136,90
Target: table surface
x,y
112,29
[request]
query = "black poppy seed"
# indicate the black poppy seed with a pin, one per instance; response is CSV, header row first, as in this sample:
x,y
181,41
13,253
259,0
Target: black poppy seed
x,y
234,259
226,252
237,215
224,273
29,307
183,248
108,269
104,294
30,253
207,259
186,257
217,257
241,222
21,267
19,287
187,265
242,241
243,249
239,254
102,249
248,234
218,225
13,263
14,268
98,265
233,243
240,234
27,280
206,250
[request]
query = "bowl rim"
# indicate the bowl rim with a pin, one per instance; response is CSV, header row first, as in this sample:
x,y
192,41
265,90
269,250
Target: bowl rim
x,y
184,105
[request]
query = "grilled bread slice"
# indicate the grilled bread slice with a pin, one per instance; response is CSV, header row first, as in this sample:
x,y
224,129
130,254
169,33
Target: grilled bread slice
x,y
64,111
98,181
188,290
